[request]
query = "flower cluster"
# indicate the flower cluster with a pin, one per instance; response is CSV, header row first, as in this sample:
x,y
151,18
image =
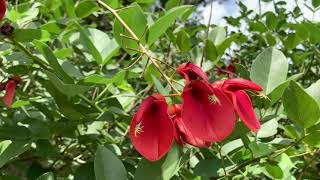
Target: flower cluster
x,y
9,87
207,114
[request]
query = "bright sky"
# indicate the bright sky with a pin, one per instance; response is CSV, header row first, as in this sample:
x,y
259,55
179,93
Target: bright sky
x,y
230,8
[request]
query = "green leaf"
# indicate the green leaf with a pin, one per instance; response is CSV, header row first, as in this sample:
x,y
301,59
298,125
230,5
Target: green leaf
x,y
226,43
52,60
69,7
271,21
28,35
14,132
269,69
118,77
268,129
210,51
90,47
183,41
163,169
85,8
314,91
66,89
257,26
260,149
133,16
85,172
46,176
107,166
300,106
315,3
292,41
313,139
98,43
66,107
217,35
145,1
274,170
163,23
208,168
112,3
14,149
277,93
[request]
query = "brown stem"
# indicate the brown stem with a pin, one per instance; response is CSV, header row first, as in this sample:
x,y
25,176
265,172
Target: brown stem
x,y
135,37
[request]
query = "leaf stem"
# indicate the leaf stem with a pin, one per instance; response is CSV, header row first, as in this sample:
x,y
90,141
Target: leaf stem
x,y
135,37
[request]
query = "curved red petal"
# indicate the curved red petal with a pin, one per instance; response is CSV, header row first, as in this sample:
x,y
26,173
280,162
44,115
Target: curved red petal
x,y
187,137
236,84
151,129
10,90
207,111
243,106
192,72
3,8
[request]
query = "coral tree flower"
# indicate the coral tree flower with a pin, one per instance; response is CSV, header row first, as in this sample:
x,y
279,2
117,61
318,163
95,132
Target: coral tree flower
x,y
207,112
10,87
182,134
152,130
242,103
3,8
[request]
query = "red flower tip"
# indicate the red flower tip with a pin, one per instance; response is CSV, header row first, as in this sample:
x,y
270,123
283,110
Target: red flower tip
x,y
9,87
175,109
236,84
207,111
191,72
182,134
229,70
3,8
244,109
151,129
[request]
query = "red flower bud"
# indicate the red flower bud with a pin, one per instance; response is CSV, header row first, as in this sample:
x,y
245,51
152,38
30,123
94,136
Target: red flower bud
x,y
191,72
9,87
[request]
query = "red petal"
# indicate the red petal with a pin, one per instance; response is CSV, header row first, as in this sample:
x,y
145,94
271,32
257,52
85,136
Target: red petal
x,y
187,137
3,8
205,119
191,72
243,106
10,89
236,84
151,129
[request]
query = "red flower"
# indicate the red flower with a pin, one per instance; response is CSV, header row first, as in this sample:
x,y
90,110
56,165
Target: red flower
x,y
191,72
208,112
3,8
151,129
182,134
9,87
242,103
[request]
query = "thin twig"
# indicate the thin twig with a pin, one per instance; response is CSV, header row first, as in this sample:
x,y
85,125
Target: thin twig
x,y
142,48
207,33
